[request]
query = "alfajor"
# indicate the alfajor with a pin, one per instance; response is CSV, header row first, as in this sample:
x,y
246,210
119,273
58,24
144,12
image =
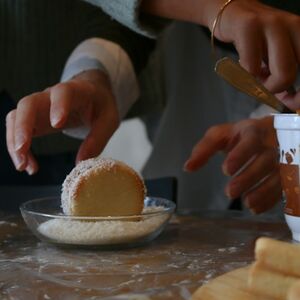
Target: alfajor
x,y
103,187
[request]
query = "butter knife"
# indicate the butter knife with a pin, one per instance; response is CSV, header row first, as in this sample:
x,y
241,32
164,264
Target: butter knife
x,y
242,80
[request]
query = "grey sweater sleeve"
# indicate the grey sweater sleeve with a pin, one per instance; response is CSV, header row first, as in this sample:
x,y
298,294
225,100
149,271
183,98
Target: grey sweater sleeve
x,y
127,12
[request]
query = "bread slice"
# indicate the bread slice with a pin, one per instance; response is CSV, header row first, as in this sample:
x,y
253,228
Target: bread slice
x,y
103,187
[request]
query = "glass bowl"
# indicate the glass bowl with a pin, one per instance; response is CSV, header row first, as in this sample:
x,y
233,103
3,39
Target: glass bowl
x,y
46,220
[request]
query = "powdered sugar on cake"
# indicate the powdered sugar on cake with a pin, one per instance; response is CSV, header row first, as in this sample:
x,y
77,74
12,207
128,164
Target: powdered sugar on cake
x,y
79,172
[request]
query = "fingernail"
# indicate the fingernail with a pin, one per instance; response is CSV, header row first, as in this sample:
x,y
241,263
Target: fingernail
x,y
228,194
55,121
225,171
187,166
19,161
19,142
30,170
246,203
251,209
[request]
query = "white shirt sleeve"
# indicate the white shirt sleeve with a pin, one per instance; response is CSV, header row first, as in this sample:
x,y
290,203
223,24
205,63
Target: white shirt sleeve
x,y
262,111
97,53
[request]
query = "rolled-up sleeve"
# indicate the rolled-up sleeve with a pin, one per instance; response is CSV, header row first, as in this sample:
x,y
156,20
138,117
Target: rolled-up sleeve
x,y
127,12
109,57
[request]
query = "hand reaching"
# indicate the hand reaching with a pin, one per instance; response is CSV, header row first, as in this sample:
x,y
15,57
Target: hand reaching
x,y
251,160
86,100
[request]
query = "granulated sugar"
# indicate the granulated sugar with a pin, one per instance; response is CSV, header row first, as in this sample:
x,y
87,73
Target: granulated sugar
x,y
68,231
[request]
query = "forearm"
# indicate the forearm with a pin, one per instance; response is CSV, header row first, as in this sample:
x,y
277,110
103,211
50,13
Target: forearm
x,y
200,12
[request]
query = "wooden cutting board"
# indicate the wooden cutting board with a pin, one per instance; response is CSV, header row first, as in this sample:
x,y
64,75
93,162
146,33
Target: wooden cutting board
x,y
229,286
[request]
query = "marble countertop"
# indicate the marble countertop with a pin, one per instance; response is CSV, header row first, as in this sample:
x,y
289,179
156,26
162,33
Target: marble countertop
x,y
191,251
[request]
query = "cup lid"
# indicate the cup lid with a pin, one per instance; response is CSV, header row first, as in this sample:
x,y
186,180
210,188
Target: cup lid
x,y
287,121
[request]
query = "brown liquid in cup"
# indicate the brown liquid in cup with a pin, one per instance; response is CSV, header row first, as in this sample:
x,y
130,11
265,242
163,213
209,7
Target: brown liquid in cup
x,y
289,174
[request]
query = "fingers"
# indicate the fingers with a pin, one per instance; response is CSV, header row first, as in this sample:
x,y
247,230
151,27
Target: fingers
x,y
291,100
101,131
29,119
249,43
265,195
61,98
32,165
282,62
71,104
82,101
25,122
249,145
214,140
19,161
262,33
257,169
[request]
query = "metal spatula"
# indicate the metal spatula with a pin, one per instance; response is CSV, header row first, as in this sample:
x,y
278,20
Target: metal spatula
x,y
242,80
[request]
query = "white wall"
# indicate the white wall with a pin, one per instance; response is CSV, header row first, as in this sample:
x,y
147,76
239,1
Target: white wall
x,y
129,144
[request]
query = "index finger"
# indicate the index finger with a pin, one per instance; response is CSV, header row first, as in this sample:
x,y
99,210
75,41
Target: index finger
x,y
215,139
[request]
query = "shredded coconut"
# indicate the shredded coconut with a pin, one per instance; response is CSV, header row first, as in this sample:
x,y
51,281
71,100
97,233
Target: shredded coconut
x,y
68,231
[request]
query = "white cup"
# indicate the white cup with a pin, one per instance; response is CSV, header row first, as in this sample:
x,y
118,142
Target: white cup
x,y
288,133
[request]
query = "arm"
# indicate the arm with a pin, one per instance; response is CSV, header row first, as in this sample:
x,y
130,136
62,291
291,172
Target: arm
x,y
262,35
99,86
266,38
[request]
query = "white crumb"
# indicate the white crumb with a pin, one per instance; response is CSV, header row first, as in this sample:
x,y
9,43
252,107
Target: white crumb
x,y
69,231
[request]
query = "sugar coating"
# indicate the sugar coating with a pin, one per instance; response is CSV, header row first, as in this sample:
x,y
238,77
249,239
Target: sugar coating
x,y
82,171
102,232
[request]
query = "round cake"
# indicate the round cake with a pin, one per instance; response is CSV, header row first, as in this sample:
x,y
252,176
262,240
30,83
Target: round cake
x,y
103,187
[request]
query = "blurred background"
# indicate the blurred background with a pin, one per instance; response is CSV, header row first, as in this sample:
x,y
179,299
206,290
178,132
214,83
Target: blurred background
x,y
130,144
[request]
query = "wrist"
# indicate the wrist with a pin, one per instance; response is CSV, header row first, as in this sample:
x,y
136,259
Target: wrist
x,y
208,12
97,78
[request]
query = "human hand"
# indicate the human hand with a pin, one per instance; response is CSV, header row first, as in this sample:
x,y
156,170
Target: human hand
x,y
267,42
251,160
87,100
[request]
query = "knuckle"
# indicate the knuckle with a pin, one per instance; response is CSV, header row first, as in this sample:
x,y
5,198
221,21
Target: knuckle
x,y
11,115
251,21
273,19
65,88
213,131
294,21
249,25
27,100
24,101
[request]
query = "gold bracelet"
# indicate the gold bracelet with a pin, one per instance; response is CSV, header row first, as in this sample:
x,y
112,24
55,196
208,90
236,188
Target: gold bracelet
x,y
212,37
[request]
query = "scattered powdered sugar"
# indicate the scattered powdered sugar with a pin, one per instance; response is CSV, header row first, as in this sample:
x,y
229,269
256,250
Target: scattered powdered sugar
x,y
12,224
68,231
